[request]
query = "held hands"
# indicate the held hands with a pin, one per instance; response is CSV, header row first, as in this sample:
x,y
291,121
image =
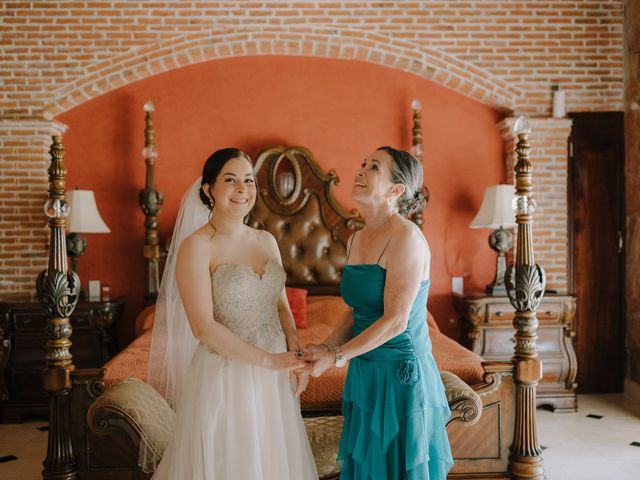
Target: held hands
x,y
319,358
293,362
314,361
284,361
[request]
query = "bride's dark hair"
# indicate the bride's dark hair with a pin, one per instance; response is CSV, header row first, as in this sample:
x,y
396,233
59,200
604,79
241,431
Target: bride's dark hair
x,y
212,168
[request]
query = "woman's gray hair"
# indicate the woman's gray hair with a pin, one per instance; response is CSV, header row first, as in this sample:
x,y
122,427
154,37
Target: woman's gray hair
x,y
407,170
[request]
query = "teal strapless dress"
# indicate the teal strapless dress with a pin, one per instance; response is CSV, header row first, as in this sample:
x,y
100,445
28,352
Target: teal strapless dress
x,y
394,405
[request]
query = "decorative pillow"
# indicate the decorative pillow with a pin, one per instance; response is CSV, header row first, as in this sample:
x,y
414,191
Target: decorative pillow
x,y
298,302
145,319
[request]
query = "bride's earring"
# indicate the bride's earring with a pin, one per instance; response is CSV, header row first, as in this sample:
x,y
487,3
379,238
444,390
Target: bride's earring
x,y
212,203
212,207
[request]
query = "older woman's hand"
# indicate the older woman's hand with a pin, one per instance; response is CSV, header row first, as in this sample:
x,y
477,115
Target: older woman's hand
x,y
319,361
314,347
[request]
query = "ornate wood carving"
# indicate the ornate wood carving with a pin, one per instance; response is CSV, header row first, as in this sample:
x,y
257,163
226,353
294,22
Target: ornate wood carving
x,y
416,143
313,181
5,350
567,319
58,293
464,402
150,201
464,409
525,282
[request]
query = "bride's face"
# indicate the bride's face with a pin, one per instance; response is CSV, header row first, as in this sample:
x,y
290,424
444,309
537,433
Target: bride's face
x,y
234,190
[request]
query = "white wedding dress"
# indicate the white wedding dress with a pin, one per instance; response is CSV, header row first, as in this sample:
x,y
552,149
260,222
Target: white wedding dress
x,y
237,421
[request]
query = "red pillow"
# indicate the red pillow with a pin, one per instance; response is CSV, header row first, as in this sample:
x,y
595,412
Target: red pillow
x,y
298,303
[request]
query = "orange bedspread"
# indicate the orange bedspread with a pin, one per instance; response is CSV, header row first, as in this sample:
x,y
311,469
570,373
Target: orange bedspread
x,y
323,312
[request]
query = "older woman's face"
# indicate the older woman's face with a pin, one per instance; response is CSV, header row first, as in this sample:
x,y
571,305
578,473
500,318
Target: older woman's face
x,y
372,183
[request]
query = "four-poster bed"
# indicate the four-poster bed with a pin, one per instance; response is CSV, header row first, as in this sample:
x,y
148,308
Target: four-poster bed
x,y
100,438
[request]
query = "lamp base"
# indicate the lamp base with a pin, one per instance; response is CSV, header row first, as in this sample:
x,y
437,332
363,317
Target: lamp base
x,y
500,240
76,246
496,290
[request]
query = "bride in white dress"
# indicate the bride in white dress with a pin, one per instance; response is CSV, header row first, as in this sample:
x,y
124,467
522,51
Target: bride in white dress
x,y
224,348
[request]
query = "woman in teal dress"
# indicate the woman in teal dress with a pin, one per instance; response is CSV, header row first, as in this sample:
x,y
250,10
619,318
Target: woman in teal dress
x,y
394,405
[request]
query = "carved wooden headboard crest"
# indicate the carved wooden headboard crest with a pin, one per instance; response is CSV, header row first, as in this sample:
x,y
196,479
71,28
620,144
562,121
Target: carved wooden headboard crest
x,y
296,204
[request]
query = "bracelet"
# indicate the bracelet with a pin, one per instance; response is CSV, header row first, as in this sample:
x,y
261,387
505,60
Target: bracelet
x,y
327,346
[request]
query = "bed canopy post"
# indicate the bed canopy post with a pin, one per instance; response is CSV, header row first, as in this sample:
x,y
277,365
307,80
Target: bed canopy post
x,y
58,290
525,283
416,149
150,202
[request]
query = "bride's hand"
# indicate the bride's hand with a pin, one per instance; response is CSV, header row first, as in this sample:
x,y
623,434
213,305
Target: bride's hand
x,y
302,380
283,361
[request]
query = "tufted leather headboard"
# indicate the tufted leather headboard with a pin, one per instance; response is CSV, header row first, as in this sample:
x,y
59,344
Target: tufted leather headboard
x,y
296,205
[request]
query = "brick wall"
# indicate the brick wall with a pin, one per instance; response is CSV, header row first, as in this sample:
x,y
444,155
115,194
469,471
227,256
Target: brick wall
x,y
23,190
506,54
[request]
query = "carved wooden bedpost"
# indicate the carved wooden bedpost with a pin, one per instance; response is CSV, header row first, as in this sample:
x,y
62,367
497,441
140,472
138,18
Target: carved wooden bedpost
x,y
525,286
416,149
58,293
151,202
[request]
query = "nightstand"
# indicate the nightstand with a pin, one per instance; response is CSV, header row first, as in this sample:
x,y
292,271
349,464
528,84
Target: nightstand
x,y
22,339
487,330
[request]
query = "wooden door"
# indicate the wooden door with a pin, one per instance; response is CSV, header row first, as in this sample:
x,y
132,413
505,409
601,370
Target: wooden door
x,y
596,226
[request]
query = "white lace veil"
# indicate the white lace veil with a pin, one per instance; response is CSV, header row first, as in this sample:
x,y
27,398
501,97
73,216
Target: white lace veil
x,y
172,343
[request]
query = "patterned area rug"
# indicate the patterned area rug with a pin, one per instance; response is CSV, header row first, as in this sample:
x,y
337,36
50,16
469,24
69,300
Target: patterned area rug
x,y
324,436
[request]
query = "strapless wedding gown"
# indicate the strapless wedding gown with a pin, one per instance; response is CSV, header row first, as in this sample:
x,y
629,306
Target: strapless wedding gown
x,y
236,421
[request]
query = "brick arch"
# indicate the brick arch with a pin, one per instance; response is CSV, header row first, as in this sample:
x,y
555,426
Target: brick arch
x,y
326,42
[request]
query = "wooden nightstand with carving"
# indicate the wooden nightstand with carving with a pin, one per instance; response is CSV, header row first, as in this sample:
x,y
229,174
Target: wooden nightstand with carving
x,y
488,331
22,339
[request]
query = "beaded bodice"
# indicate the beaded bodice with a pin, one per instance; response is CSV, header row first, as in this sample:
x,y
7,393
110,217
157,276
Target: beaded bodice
x,y
247,303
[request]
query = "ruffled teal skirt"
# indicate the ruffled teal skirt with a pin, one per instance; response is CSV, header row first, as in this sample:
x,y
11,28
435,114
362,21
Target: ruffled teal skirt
x,y
395,414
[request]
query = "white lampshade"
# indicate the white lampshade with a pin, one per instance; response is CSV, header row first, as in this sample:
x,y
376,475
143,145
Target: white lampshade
x,y
84,216
496,210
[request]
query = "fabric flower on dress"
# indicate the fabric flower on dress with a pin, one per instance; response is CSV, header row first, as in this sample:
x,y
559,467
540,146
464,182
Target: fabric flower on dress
x,y
408,372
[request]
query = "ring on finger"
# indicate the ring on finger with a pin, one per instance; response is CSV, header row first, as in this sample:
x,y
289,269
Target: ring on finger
x,y
299,354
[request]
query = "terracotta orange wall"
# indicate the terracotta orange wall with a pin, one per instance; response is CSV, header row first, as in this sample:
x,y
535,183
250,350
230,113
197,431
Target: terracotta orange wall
x,y
340,110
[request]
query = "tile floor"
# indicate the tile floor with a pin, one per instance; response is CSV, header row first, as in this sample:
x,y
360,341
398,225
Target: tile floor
x,y
577,446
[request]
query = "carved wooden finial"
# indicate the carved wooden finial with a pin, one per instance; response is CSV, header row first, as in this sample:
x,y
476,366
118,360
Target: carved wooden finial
x,y
525,282
58,293
416,150
151,201
417,129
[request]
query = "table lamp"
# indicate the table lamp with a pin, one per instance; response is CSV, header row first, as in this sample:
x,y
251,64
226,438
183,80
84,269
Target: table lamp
x,y
497,212
84,217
